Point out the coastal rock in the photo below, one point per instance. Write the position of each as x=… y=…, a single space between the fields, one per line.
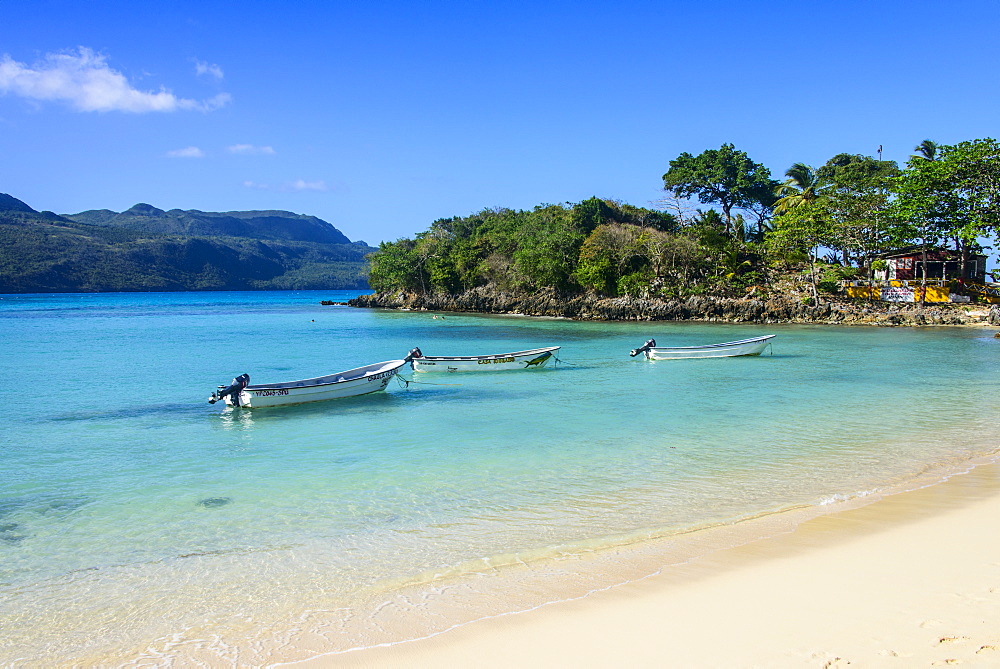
x=774 y=309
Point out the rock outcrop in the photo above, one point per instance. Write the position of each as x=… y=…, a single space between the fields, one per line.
x=695 y=308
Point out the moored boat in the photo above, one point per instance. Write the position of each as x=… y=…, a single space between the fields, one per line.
x=358 y=381
x=729 y=349
x=535 y=358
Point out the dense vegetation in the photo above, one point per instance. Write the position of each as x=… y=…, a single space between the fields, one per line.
x=147 y=249
x=851 y=209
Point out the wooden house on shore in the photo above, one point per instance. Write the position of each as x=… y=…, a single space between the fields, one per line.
x=942 y=264
x=948 y=278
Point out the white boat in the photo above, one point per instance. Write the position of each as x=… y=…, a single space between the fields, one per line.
x=359 y=381
x=535 y=358
x=753 y=346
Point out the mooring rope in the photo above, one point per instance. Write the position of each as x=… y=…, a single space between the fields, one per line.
x=407 y=382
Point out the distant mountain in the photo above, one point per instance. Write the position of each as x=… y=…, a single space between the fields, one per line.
x=277 y=225
x=148 y=249
x=9 y=203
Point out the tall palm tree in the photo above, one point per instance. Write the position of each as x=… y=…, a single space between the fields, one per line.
x=926 y=150
x=802 y=187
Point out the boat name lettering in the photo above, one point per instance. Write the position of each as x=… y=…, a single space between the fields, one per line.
x=380 y=375
x=270 y=393
x=494 y=361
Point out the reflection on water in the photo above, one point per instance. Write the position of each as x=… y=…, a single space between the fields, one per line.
x=236 y=419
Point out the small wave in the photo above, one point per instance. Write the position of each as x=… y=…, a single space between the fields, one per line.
x=840 y=498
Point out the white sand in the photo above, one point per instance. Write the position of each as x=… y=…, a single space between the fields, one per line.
x=910 y=581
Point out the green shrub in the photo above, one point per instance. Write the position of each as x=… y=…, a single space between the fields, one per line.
x=828 y=286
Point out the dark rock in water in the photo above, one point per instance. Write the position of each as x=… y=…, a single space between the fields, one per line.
x=10 y=505
x=63 y=505
x=8 y=534
x=212 y=502
x=42 y=504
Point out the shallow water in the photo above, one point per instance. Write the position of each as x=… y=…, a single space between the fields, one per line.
x=137 y=520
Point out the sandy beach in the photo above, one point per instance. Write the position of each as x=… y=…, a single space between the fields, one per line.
x=912 y=580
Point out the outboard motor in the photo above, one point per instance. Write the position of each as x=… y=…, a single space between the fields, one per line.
x=645 y=347
x=414 y=353
x=234 y=389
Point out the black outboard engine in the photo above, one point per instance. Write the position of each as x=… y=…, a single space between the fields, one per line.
x=414 y=353
x=234 y=389
x=645 y=347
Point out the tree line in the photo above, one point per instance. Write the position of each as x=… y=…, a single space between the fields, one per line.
x=754 y=228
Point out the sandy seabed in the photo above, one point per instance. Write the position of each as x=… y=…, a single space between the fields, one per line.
x=912 y=580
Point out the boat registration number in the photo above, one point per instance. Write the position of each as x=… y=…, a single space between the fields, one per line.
x=270 y=393
x=494 y=361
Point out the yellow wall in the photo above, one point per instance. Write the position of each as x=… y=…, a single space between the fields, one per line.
x=864 y=292
x=934 y=294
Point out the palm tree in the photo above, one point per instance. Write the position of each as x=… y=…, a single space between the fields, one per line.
x=802 y=187
x=925 y=150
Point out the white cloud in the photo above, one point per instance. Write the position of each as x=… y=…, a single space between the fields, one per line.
x=213 y=103
x=300 y=185
x=309 y=185
x=87 y=83
x=251 y=150
x=210 y=69
x=189 y=152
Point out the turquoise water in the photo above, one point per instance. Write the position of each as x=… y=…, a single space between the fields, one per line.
x=137 y=521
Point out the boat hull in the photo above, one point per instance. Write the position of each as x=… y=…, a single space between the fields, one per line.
x=730 y=349
x=350 y=383
x=534 y=359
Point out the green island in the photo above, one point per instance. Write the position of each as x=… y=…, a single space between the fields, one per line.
x=145 y=249
x=855 y=240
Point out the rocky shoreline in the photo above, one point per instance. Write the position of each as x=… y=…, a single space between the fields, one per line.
x=695 y=308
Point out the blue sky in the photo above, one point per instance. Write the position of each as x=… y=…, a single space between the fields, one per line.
x=384 y=117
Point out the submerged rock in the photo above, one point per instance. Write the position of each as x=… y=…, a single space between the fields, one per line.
x=9 y=533
x=213 y=502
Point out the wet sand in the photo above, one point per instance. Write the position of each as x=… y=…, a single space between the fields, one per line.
x=911 y=580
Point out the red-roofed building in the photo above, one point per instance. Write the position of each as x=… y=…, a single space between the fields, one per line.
x=942 y=264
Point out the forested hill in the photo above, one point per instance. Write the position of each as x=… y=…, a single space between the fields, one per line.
x=274 y=225
x=149 y=249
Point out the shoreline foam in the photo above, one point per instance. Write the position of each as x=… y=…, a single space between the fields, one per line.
x=896 y=582
x=718 y=551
